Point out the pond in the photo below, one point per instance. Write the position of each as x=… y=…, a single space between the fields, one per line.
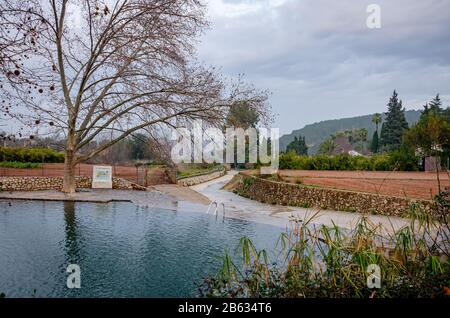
x=123 y=250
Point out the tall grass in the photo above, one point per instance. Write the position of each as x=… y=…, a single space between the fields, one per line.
x=327 y=261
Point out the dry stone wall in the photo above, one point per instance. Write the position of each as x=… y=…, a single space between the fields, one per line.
x=282 y=193
x=56 y=183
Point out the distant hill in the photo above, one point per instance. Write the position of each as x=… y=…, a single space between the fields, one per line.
x=316 y=133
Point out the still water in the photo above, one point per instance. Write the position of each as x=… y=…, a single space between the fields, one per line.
x=123 y=250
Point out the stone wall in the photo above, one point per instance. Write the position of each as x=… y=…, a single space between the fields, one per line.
x=56 y=183
x=281 y=193
x=194 y=180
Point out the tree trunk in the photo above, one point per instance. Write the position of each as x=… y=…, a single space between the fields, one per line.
x=69 y=183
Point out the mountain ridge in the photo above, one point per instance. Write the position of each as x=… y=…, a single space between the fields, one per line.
x=317 y=132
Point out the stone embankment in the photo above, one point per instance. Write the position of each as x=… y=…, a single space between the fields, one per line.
x=56 y=183
x=288 y=194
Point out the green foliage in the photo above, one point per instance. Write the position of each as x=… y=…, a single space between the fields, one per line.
x=298 y=146
x=401 y=160
x=35 y=155
x=377 y=119
x=19 y=165
x=330 y=262
x=375 y=145
x=359 y=138
x=327 y=147
x=241 y=115
x=395 y=124
x=248 y=182
x=431 y=134
x=138 y=146
x=434 y=107
x=198 y=169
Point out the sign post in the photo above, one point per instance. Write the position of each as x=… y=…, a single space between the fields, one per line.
x=102 y=177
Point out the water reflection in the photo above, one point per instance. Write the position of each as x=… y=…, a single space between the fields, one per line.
x=71 y=243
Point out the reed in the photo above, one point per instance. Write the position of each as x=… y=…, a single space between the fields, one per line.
x=327 y=261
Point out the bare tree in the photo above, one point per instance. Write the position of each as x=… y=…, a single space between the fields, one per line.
x=90 y=67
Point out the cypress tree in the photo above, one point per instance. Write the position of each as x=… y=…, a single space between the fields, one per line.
x=375 y=146
x=395 y=124
x=375 y=142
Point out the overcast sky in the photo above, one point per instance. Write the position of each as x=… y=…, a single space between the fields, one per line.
x=321 y=61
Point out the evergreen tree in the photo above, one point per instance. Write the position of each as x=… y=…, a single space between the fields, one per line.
x=395 y=124
x=375 y=142
x=298 y=146
x=376 y=119
x=436 y=105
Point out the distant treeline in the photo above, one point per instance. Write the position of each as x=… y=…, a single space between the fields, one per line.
x=317 y=133
x=34 y=155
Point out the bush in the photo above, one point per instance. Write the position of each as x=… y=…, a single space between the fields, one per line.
x=404 y=160
x=19 y=165
x=34 y=155
x=401 y=160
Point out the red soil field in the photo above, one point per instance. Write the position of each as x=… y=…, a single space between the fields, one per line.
x=421 y=185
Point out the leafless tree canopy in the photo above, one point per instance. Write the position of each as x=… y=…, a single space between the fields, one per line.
x=86 y=67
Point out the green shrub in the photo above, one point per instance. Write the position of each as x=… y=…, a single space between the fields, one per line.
x=404 y=160
x=401 y=160
x=19 y=165
x=35 y=155
x=380 y=163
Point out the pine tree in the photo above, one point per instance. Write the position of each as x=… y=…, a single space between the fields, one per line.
x=433 y=107
x=395 y=124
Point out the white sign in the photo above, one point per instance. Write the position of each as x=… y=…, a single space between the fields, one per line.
x=102 y=177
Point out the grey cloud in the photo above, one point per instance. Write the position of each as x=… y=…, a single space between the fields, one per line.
x=321 y=61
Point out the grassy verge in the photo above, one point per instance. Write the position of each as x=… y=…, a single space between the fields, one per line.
x=330 y=262
x=197 y=170
x=19 y=165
